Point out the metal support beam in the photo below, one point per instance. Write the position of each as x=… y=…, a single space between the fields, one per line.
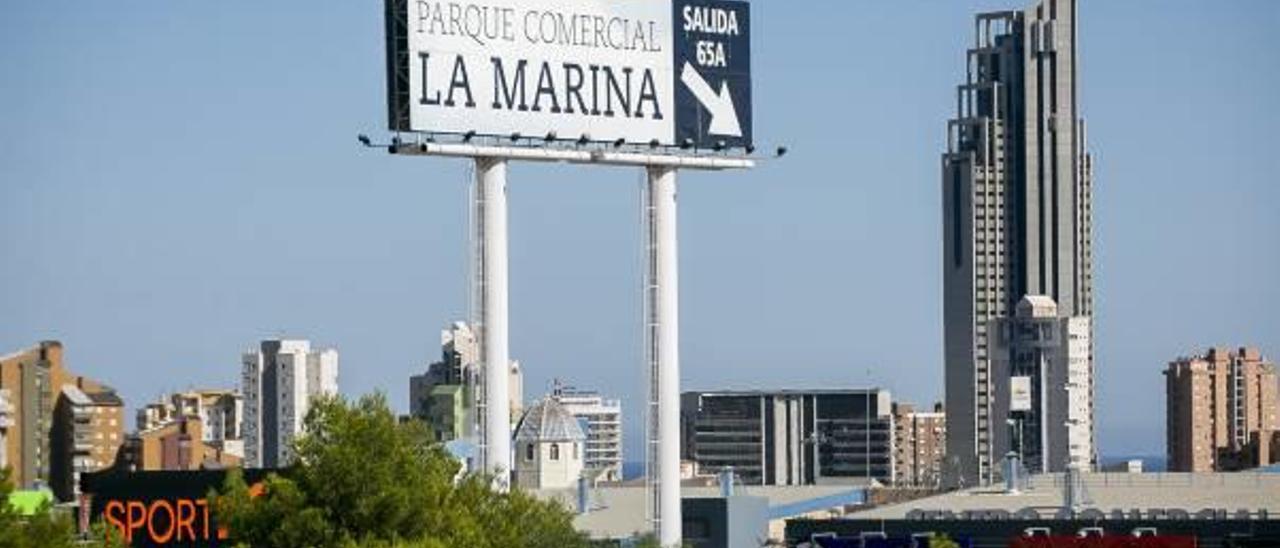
x=662 y=343
x=575 y=156
x=495 y=418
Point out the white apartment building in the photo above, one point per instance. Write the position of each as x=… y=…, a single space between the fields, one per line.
x=278 y=382
x=601 y=420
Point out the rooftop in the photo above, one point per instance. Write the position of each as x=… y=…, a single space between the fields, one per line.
x=620 y=511
x=547 y=420
x=1108 y=491
x=785 y=391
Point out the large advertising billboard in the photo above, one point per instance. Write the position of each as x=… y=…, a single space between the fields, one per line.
x=672 y=71
x=159 y=508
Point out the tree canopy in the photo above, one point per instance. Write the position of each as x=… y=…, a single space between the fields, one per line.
x=362 y=477
x=46 y=527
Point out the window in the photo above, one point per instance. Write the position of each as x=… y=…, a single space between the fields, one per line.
x=555 y=451
x=528 y=452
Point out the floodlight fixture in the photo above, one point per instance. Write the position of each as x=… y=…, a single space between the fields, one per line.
x=782 y=151
x=364 y=140
x=468 y=136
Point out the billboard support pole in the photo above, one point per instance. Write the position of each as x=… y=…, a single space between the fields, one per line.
x=662 y=342
x=495 y=419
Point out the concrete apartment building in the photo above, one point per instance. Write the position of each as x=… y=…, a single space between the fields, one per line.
x=36 y=442
x=218 y=407
x=1016 y=196
x=444 y=396
x=919 y=444
x=278 y=382
x=1221 y=411
x=88 y=431
x=188 y=430
x=601 y=420
x=791 y=437
x=1042 y=385
x=177 y=444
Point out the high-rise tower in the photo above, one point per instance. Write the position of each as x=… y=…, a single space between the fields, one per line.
x=1016 y=193
x=278 y=382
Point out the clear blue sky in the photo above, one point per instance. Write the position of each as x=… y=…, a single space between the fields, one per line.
x=181 y=179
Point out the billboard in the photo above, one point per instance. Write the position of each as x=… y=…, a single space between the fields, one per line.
x=159 y=508
x=1020 y=393
x=674 y=71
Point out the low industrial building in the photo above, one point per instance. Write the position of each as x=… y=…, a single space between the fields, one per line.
x=620 y=511
x=1208 y=507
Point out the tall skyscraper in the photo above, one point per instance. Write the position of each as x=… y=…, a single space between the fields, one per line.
x=1221 y=411
x=1042 y=387
x=278 y=382
x=1016 y=193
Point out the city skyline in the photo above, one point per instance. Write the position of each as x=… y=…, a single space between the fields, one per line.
x=136 y=247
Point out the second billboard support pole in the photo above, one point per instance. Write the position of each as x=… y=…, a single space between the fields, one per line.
x=491 y=182
x=663 y=334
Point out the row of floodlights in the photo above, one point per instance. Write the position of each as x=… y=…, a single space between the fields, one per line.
x=582 y=140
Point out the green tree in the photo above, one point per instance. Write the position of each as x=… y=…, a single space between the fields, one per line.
x=942 y=540
x=364 y=478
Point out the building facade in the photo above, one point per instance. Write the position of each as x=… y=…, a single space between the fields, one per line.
x=1221 y=411
x=445 y=396
x=1043 y=388
x=791 y=437
x=919 y=443
x=6 y=422
x=601 y=420
x=1017 y=213
x=278 y=382
x=187 y=430
x=220 y=411
x=179 y=444
x=88 y=430
x=34 y=379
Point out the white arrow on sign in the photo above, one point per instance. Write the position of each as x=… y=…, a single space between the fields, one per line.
x=724 y=118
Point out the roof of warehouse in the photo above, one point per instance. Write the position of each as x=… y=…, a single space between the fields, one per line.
x=620 y=511
x=1106 y=491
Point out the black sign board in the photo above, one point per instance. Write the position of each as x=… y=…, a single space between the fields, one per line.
x=161 y=508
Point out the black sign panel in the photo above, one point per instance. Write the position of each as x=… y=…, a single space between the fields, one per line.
x=162 y=508
x=712 y=68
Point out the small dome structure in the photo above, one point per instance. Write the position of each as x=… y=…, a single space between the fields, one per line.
x=549 y=447
x=548 y=421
